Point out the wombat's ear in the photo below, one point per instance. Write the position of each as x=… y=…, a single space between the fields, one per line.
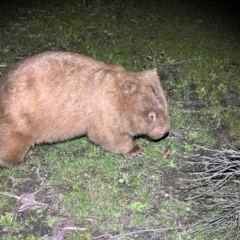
x=150 y=73
x=129 y=87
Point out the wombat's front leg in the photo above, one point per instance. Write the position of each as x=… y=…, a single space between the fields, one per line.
x=117 y=143
x=128 y=146
x=13 y=148
x=137 y=151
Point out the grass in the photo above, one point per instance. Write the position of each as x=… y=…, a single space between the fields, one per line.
x=195 y=49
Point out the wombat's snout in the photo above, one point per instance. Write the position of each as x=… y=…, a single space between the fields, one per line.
x=159 y=132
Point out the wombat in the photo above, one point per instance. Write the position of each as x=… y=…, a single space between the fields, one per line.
x=55 y=96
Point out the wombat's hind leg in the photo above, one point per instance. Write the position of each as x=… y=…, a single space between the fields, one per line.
x=13 y=148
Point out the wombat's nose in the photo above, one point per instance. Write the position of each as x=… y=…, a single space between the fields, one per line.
x=165 y=130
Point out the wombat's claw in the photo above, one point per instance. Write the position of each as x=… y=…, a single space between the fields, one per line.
x=137 y=151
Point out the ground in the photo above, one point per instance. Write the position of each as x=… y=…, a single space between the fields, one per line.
x=74 y=189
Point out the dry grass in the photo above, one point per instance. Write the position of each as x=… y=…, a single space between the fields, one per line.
x=216 y=188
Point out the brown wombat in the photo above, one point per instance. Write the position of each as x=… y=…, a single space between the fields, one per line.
x=55 y=96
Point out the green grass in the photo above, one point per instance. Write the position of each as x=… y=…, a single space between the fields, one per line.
x=195 y=49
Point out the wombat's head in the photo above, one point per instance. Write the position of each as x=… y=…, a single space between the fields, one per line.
x=145 y=104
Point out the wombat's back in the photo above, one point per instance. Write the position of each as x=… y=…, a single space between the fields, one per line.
x=49 y=92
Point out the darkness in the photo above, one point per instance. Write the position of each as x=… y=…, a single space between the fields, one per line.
x=231 y=6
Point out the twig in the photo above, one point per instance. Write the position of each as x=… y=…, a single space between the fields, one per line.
x=74 y=228
x=136 y=232
x=180 y=62
x=19 y=198
x=39 y=177
x=9 y=195
x=3 y=65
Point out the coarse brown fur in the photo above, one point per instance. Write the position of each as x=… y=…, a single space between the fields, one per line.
x=55 y=96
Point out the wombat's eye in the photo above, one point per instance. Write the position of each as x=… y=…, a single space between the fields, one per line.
x=152 y=116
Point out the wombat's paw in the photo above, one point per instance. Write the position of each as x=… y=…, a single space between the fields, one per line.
x=4 y=164
x=137 y=151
